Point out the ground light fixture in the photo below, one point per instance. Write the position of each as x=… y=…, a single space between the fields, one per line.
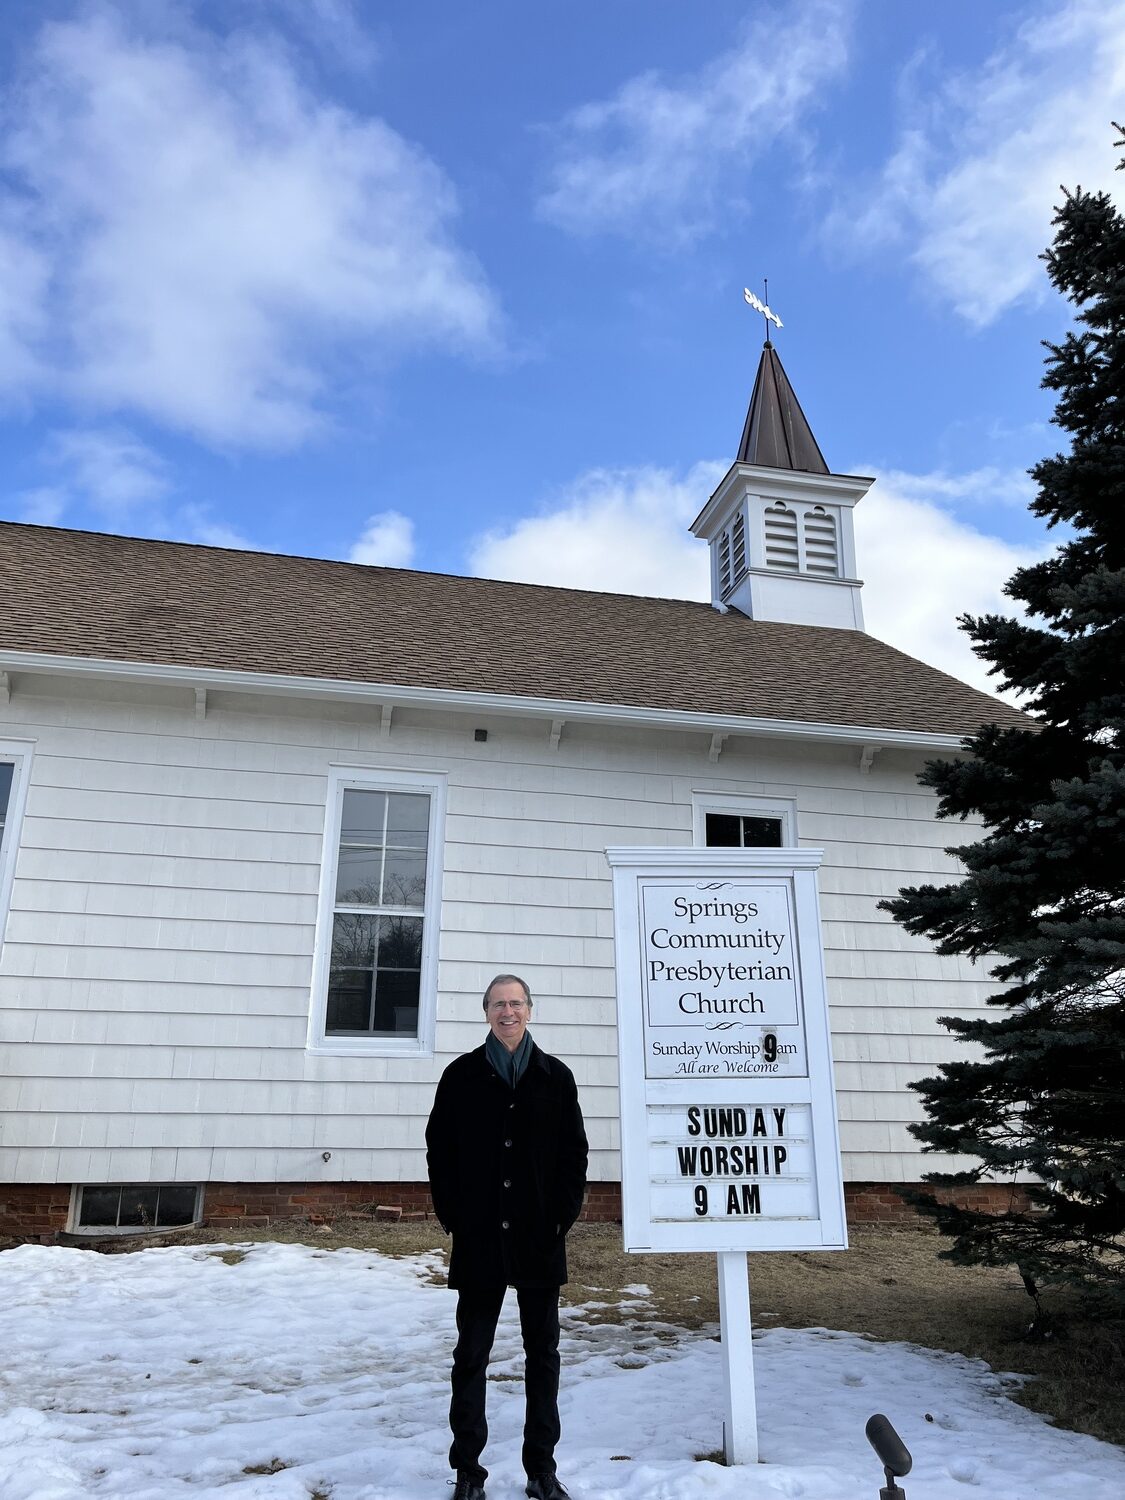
x=891 y=1452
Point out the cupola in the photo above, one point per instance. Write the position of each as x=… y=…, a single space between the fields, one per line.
x=780 y=524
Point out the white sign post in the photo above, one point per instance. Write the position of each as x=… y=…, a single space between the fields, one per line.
x=728 y=1111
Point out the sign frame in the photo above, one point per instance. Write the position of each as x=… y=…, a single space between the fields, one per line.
x=698 y=869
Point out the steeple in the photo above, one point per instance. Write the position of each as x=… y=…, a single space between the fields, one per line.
x=780 y=524
x=777 y=433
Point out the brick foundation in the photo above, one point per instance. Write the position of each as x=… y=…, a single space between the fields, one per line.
x=34 y=1211
x=883 y=1203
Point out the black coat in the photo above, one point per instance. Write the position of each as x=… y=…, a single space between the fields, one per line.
x=507 y=1169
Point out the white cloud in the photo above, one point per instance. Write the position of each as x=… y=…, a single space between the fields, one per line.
x=112 y=470
x=626 y=531
x=110 y=475
x=332 y=27
x=971 y=186
x=23 y=281
x=621 y=530
x=199 y=239
x=922 y=567
x=194 y=523
x=44 y=506
x=988 y=485
x=387 y=541
x=652 y=156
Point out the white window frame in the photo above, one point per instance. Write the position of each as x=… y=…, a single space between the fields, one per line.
x=376 y=779
x=17 y=754
x=74 y=1220
x=746 y=806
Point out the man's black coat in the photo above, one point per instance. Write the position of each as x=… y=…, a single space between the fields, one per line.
x=507 y=1169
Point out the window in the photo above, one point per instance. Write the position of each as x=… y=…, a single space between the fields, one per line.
x=740 y=831
x=6 y=769
x=727 y=821
x=141 y=1206
x=15 y=763
x=377 y=934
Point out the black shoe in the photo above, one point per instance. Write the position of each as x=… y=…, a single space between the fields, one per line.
x=468 y=1488
x=546 y=1487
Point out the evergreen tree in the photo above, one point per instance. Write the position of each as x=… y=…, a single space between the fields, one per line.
x=1044 y=1089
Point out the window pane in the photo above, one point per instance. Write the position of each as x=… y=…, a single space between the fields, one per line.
x=404 y=879
x=396 y=1002
x=363 y=818
x=358 y=876
x=176 y=1206
x=99 y=1207
x=408 y=820
x=400 y=943
x=761 y=833
x=349 y=1001
x=372 y=821
x=138 y=1206
x=723 y=831
x=5 y=791
x=354 y=938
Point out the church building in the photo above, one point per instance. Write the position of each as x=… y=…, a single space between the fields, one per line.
x=268 y=826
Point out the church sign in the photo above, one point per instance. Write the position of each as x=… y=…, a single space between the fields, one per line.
x=728 y=1120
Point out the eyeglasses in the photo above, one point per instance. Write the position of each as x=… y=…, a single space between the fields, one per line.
x=507 y=1005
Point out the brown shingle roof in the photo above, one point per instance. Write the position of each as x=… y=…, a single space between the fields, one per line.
x=82 y=594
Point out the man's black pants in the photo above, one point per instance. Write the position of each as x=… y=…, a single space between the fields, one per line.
x=478 y=1309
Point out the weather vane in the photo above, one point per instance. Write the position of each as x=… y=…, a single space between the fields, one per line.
x=760 y=306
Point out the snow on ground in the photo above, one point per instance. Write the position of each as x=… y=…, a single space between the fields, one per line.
x=175 y=1374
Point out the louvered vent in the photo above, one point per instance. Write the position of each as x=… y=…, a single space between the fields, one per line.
x=821 y=551
x=781 y=538
x=738 y=547
x=724 y=564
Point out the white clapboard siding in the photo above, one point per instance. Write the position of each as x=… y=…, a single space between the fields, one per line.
x=157 y=961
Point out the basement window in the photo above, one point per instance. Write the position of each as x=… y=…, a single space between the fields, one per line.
x=136 y=1206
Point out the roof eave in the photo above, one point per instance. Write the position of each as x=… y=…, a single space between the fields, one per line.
x=835 y=489
x=400 y=695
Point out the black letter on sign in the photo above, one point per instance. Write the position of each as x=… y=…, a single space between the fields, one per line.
x=769 y=1047
x=693 y=1119
x=701 y=1200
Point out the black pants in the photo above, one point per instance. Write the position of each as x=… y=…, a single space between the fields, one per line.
x=478 y=1309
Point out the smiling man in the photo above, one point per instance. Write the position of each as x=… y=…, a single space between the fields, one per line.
x=506 y=1150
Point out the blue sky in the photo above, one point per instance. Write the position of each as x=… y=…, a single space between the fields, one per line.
x=459 y=287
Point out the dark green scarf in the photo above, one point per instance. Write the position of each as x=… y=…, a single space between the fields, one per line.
x=509 y=1065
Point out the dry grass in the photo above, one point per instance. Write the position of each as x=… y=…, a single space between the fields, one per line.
x=890 y=1285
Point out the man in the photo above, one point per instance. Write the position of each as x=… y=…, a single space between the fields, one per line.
x=506 y=1151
